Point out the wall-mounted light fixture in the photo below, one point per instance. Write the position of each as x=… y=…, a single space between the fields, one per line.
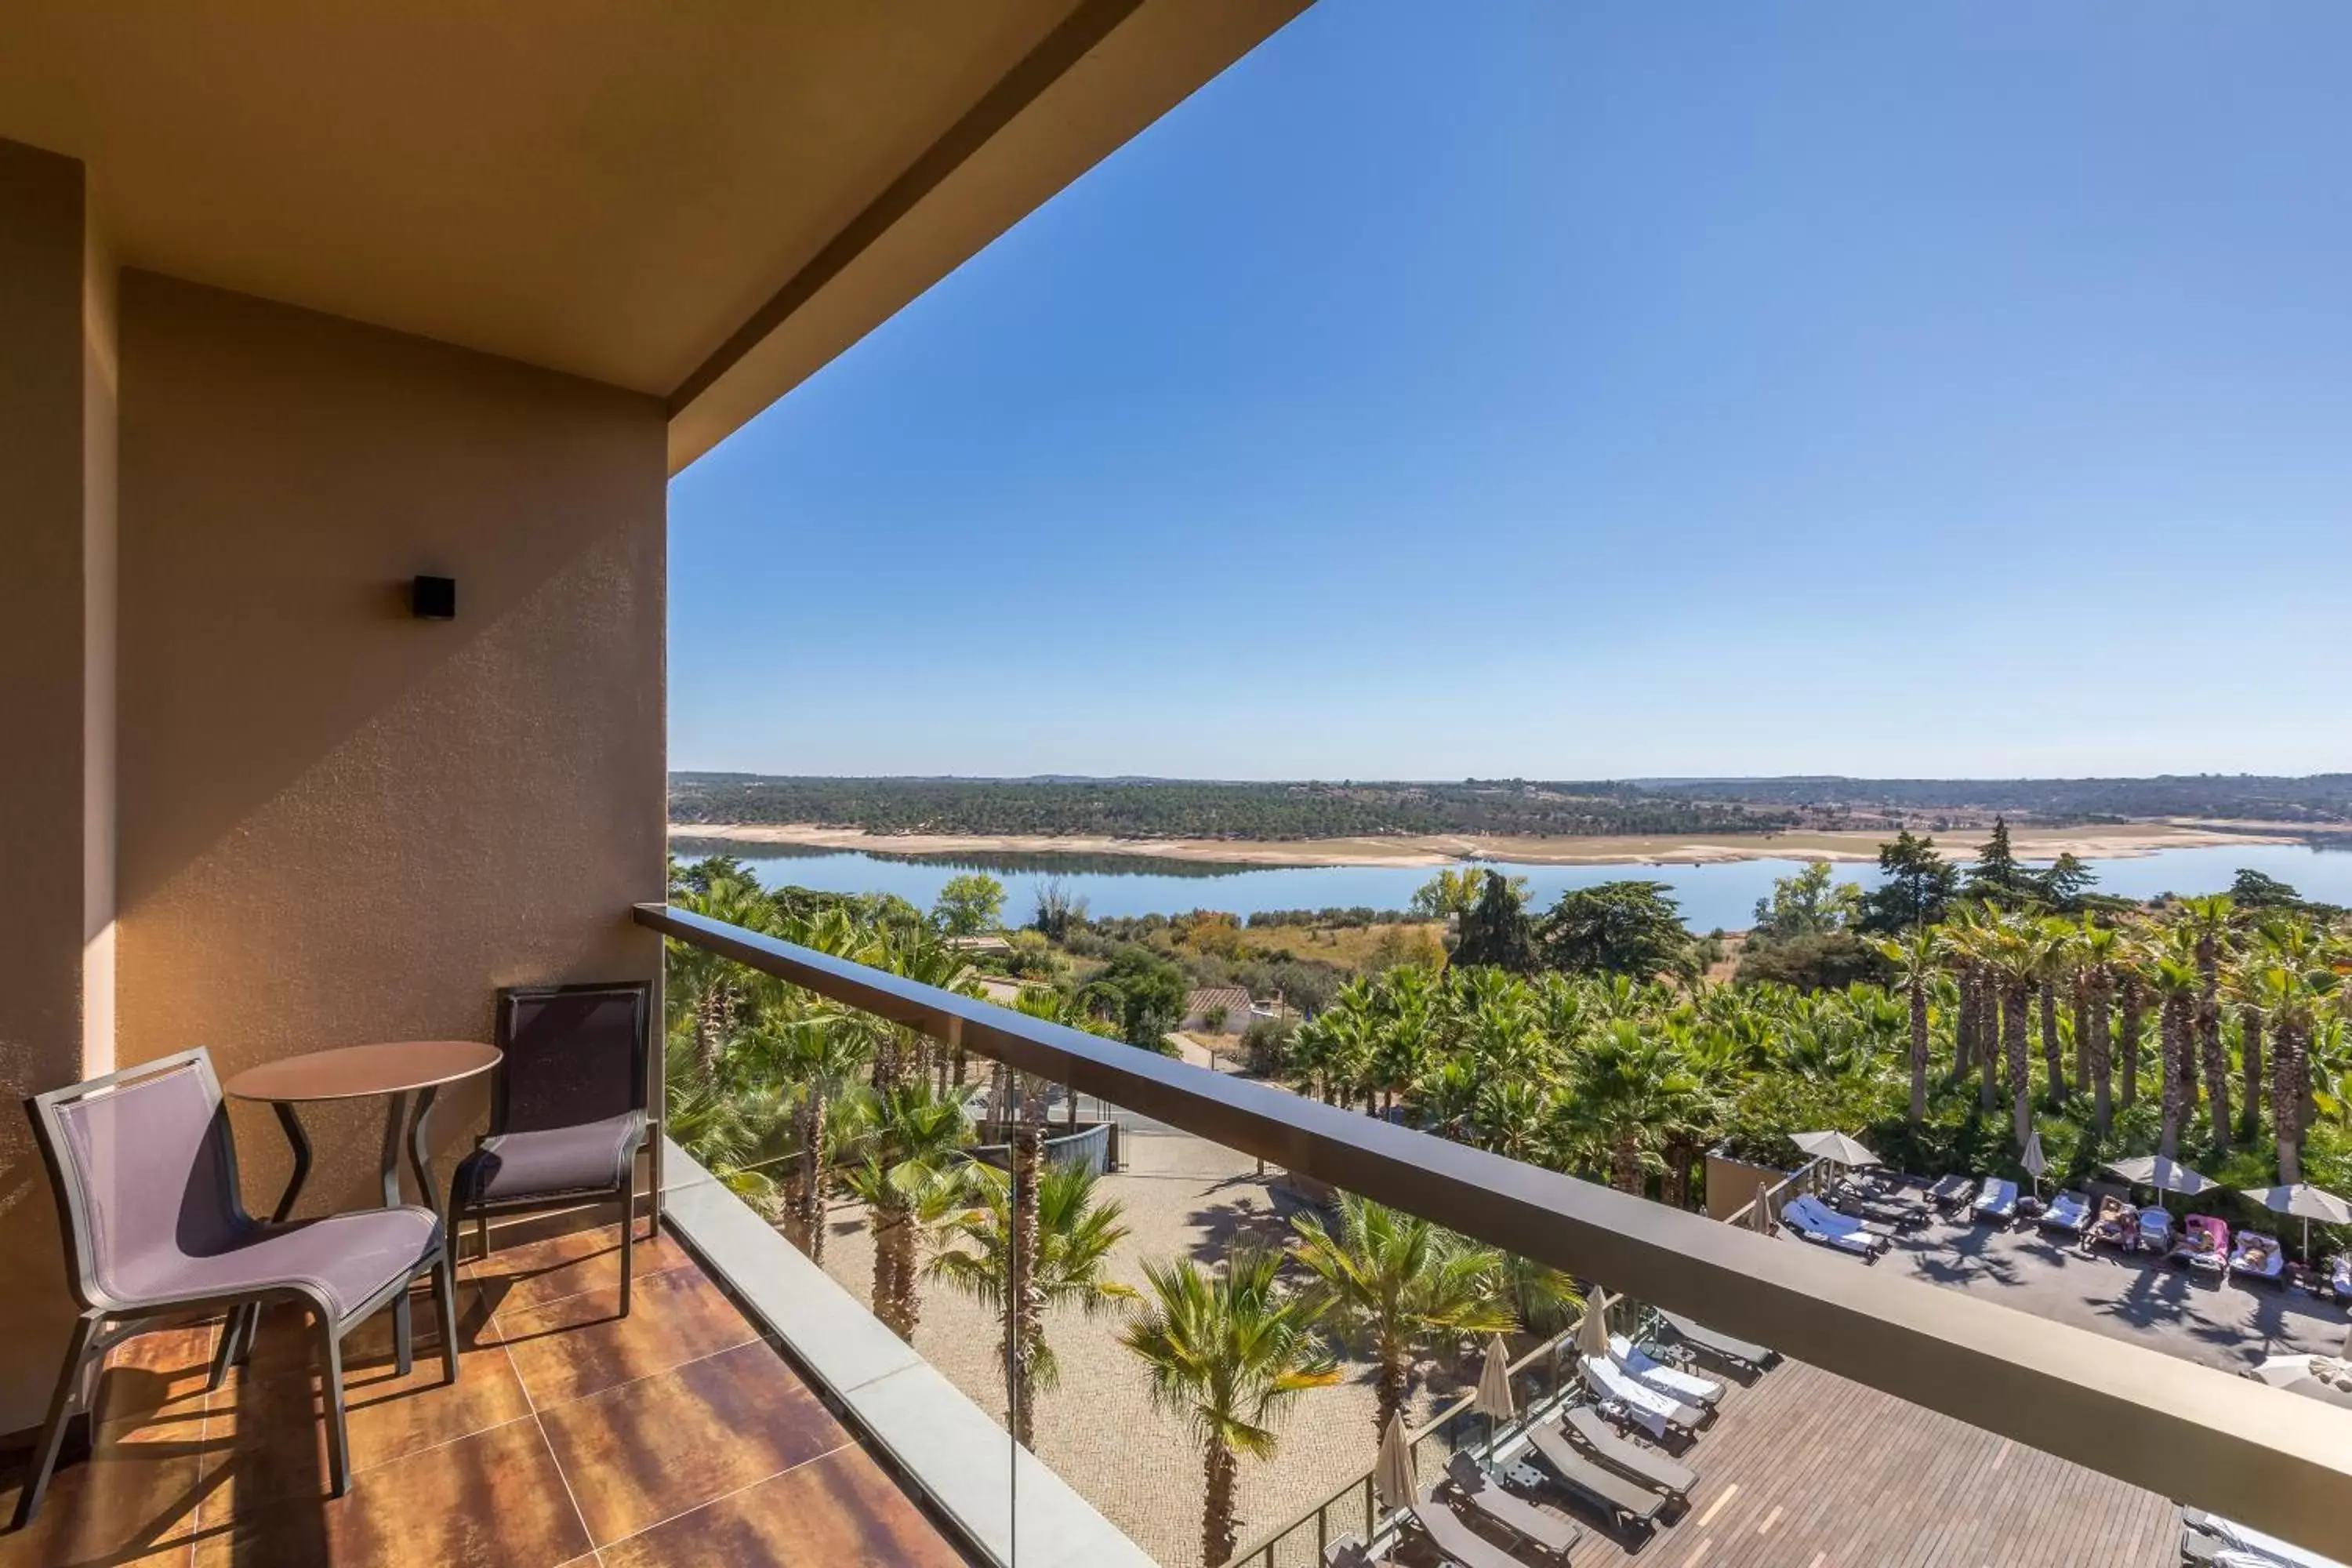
x=432 y=598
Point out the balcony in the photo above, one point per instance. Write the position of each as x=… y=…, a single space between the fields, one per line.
x=677 y=1436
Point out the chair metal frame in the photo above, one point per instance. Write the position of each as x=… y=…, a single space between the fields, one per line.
x=106 y=1319
x=461 y=1208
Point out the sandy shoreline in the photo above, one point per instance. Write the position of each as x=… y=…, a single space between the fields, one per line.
x=2121 y=840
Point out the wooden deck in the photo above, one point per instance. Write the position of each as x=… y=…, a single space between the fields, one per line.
x=1804 y=1469
x=677 y=1436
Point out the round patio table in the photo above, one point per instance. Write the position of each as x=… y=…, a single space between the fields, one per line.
x=402 y=1072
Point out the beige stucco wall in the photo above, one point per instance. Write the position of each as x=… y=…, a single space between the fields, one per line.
x=54 y=424
x=338 y=823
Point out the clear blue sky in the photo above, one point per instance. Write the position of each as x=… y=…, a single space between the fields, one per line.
x=1568 y=389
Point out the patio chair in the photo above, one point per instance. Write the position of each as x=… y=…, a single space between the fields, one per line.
x=1627 y=1502
x=2257 y=1256
x=1652 y=1411
x=1669 y=1381
x=1996 y=1200
x=567 y=1111
x=2068 y=1213
x=144 y=1170
x=1456 y=1540
x=1521 y=1517
x=1735 y=1353
x=1582 y=1424
x=2204 y=1246
x=1822 y=1226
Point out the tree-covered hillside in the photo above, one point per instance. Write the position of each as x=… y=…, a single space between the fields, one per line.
x=1176 y=808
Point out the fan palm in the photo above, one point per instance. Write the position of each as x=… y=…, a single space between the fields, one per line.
x=1229 y=1354
x=911 y=1177
x=2207 y=921
x=2177 y=984
x=1074 y=1236
x=1628 y=1094
x=1918 y=958
x=1395 y=1284
x=2097 y=951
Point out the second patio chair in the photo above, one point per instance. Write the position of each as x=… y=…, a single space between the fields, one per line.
x=567 y=1111
x=146 y=1176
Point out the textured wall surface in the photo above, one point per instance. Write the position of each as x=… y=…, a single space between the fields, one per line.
x=43 y=704
x=338 y=823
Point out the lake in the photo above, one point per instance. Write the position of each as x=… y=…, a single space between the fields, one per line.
x=1711 y=896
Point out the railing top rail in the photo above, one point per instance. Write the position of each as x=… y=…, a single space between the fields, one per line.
x=2281 y=1463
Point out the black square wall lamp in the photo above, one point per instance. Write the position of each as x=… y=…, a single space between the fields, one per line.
x=432 y=598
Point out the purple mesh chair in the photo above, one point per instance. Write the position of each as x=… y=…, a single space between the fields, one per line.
x=145 y=1175
x=567 y=1111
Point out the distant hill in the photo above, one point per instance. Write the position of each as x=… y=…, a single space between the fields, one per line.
x=1193 y=808
x=1181 y=809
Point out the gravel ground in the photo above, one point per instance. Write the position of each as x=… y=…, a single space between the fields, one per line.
x=1182 y=1196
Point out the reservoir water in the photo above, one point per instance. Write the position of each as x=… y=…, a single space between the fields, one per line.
x=1711 y=896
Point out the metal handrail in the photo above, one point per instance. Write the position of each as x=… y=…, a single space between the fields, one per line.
x=2226 y=1444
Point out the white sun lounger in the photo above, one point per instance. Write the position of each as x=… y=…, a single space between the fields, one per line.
x=1671 y=1382
x=1817 y=1222
x=2254 y=1543
x=1653 y=1410
x=1996 y=1200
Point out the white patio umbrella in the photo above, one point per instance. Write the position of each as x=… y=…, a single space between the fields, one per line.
x=2034 y=1161
x=1835 y=1147
x=1495 y=1389
x=2165 y=1175
x=1393 y=1486
x=2304 y=1202
x=1592 y=1333
x=1760 y=1213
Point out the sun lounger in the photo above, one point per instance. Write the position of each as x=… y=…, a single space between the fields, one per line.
x=1654 y=1411
x=1952 y=1190
x=2237 y=1537
x=1671 y=1382
x=1722 y=1347
x=1661 y=1472
x=1881 y=1211
x=1996 y=1200
x=2199 y=1551
x=2257 y=1256
x=1819 y=1223
x=1348 y=1551
x=2116 y=1222
x=1629 y=1502
x=1513 y=1513
x=2155 y=1229
x=1456 y=1539
x=2068 y=1212
x=2204 y=1246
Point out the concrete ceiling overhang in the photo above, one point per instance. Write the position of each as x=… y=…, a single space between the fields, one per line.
x=703 y=201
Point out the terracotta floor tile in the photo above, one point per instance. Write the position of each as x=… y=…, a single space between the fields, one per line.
x=161 y=1371
x=535 y=1273
x=638 y=1454
x=582 y=1345
x=135 y=1500
x=491 y=1501
x=839 y=1511
x=265 y=1438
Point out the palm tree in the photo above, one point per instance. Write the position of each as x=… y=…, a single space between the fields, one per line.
x=817 y=1052
x=1230 y=1354
x=2131 y=966
x=2208 y=919
x=702 y=989
x=2098 y=949
x=911 y=1178
x=1395 y=1284
x=1918 y=959
x=1628 y=1094
x=918 y=953
x=2176 y=987
x=1075 y=1236
x=2014 y=963
x=2049 y=948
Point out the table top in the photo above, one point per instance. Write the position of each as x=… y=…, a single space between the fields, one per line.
x=352 y=1072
